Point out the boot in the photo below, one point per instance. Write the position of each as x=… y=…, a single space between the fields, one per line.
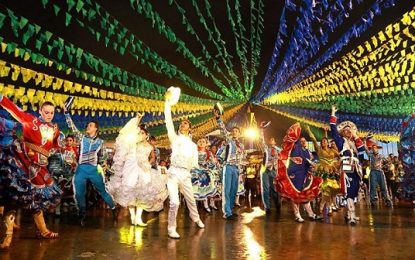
x=351 y=211
x=138 y=221
x=115 y=213
x=132 y=215
x=7 y=222
x=82 y=219
x=171 y=220
x=41 y=230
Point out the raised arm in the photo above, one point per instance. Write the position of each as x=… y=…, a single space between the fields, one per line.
x=333 y=127
x=313 y=139
x=15 y=111
x=72 y=126
x=169 y=122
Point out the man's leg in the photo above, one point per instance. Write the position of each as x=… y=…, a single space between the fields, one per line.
x=234 y=185
x=226 y=191
x=372 y=185
x=97 y=180
x=265 y=190
x=173 y=189
x=79 y=186
x=384 y=189
x=186 y=189
x=273 y=193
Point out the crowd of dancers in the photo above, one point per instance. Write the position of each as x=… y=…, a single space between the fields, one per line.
x=41 y=170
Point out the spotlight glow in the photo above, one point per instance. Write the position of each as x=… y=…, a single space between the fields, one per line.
x=251 y=133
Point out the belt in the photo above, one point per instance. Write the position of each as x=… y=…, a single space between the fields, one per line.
x=37 y=148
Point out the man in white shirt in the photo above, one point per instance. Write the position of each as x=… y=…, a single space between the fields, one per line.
x=184 y=157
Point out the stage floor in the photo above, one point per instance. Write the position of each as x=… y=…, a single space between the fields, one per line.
x=382 y=233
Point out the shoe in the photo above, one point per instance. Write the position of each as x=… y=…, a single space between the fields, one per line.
x=231 y=217
x=238 y=205
x=115 y=212
x=267 y=211
x=7 y=230
x=214 y=207
x=82 y=220
x=389 y=204
x=352 y=221
x=200 y=224
x=173 y=234
x=208 y=210
x=315 y=217
x=299 y=219
x=140 y=224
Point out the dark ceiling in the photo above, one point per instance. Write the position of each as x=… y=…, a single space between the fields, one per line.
x=142 y=28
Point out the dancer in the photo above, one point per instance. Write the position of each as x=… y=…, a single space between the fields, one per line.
x=63 y=166
x=296 y=182
x=351 y=151
x=327 y=168
x=267 y=177
x=234 y=153
x=24 y=162
x=135 y=184
x=203 y=177
x=91 y=155
x=184 y=157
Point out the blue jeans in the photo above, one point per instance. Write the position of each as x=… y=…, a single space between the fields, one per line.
x=229 y=188
x=268 y=189
x=378 y=177
x=89 y=172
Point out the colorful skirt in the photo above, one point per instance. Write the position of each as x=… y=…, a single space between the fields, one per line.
x=286 y=188
x=241 y=186
x=330 y=186
x=18 y=187
x=204 y=183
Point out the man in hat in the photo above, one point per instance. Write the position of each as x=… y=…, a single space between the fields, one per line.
x=377 y=176
x=234 y=153
x=351 y=151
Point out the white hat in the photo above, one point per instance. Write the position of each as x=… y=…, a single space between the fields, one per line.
x=172 y=95
x=344 y=124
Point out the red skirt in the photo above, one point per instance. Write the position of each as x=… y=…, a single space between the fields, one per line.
x=286 y=189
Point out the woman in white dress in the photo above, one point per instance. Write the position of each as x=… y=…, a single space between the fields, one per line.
x=135 y=184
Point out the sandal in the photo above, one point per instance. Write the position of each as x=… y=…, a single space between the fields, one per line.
x=47 y=235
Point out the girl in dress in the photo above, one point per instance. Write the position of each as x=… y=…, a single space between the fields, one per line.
x=327 y=169
x=135 y=184
x=203 y=177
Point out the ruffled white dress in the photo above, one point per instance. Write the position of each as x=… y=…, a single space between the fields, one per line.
x=135 y=183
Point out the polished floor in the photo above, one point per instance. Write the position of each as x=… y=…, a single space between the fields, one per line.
x=382 y=233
